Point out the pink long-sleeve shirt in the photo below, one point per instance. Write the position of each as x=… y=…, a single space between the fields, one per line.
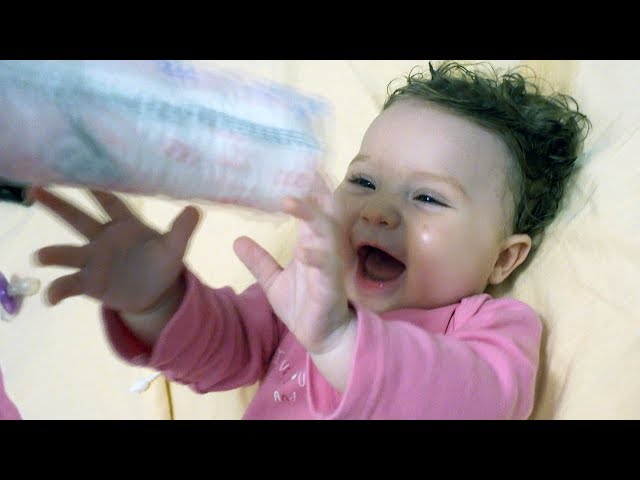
x=476 y=359
x=8 y=410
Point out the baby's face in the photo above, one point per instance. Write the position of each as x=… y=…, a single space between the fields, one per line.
x=423 y=206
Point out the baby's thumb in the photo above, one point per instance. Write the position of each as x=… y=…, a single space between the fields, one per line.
x=259 y=262
x=177 y=238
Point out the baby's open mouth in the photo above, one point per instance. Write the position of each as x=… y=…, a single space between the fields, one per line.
x=378 y=265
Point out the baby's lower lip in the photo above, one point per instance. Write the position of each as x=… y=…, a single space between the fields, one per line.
x=370 y=286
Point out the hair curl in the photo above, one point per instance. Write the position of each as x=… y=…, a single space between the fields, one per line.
x=544 y=133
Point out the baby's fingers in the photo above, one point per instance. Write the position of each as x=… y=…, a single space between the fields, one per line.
x=177 y=238
x=297 y=208
x=81 y=221
x=113 y=205
x=317 y=220
x=65 y=287
x=318 y=235
x=63 y=256
x=259 y=262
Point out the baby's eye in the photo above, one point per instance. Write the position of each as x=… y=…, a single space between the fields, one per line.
x=429 y=199
x=363 y=182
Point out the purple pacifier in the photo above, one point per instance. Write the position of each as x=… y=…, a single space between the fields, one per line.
x=9 y=303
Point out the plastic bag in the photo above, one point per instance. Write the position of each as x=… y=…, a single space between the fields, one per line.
x=159 y=128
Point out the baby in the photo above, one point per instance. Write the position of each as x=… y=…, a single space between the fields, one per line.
x=382 y=313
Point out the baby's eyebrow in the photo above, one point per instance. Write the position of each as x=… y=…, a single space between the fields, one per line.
x=360 y=158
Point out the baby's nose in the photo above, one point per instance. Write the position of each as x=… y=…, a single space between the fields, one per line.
x=381 y=214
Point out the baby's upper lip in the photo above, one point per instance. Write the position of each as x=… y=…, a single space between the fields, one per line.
x=394 y=252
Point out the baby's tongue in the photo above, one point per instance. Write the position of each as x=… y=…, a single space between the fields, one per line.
x=382 y=267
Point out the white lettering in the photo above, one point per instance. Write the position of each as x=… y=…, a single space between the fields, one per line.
x=284 y=367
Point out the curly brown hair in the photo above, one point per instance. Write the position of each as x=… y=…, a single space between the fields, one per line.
x=544 y=133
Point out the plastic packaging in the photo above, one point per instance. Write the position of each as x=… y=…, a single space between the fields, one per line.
x=159 y=128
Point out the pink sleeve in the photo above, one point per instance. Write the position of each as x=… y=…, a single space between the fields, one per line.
x=8 y=410
x=217 y=340
x=484 y=369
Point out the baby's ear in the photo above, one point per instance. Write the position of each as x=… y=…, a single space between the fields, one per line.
x=515 y=249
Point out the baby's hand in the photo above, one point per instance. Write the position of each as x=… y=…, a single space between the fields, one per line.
x=127 y=265
x=309 y=294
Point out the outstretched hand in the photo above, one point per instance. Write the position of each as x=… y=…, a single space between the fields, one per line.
x=308 y=295
x=126 y=264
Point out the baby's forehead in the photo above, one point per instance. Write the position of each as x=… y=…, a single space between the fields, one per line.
x=415 y=136
x=432 y=122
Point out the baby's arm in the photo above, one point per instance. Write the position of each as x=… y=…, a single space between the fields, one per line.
x=171 y=318
x=483 y=368
x=216 y=340
x=309 y=294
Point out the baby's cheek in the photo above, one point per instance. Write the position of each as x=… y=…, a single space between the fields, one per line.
x=437 y=252
x=425 y=237
x=433 y=237
x=443 y=236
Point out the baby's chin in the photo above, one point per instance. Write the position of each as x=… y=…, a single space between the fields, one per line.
x=391 y=301
x=378 y=304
